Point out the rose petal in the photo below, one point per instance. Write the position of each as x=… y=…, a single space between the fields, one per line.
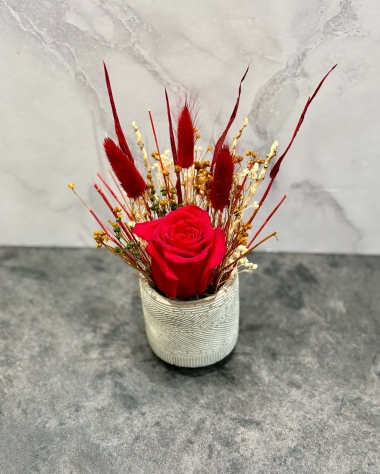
x=145 y=230
x=185 y=252
x=184 y=230
x=181 y=248
x=163 y=276
x=197 y=212
x=189 y=273
x=183 y=236
x=215 y=257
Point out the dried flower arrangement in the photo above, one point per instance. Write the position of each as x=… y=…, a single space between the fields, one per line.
x=188 y=217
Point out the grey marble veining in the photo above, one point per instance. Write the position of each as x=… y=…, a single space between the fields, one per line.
x=55 y=110
x=81 y=391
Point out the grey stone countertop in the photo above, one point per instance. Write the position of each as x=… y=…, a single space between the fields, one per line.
x=81 y=391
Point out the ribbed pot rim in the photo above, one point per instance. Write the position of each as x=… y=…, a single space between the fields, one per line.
x=203 y=301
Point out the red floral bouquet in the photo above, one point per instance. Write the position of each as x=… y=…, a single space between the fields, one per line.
x=184 y=222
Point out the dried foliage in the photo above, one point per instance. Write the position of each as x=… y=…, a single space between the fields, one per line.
x=219 y=181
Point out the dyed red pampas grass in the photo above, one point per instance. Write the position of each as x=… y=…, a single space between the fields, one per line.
x=223 y=179
x=125 y=170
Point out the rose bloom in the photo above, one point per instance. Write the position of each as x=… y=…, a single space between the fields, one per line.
x=184 y=249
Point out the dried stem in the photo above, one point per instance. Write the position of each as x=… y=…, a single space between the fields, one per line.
x=114 y=195
x=144 y=153
x=238 y=135
x=273 y=234
x=159 y=155
x=267 y=220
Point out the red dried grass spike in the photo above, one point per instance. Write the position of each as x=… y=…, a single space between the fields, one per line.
x=276 y=167
x=174 y=148
x=223 y=178
x=222 y=138
x=118 y=130
x=125 y=170
x=171 y=132
x=186 y=137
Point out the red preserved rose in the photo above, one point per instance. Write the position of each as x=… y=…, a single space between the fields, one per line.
x=184 y=249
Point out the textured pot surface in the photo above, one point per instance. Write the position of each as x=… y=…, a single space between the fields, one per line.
x=192 y=333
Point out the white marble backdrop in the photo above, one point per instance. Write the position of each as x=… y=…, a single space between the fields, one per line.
x=55 y=111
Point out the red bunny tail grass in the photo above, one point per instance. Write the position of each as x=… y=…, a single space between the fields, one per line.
x=220 y=142
x=118 y=130
x=125 y=170
x=186 y=137
x=223 y=178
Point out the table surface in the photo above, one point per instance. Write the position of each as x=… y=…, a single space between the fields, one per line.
x=81 y=391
